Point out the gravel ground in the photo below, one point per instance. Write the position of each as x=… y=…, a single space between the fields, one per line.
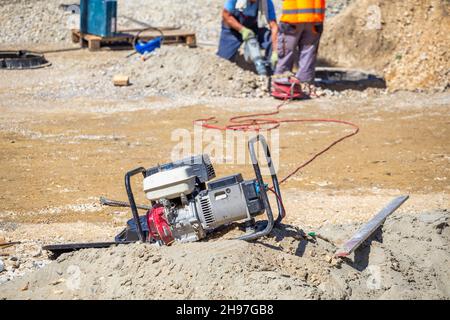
x=172 y=71
x=42 y=21
x=288 y=266
x=312 y=211
x=405 y=41
x=28 y=256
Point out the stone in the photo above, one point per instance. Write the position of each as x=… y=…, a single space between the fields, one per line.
x=25 y=287
x=56 y=282
x=121 y=80
x=37 y=253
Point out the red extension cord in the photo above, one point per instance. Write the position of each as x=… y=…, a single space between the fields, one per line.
x=257 y=121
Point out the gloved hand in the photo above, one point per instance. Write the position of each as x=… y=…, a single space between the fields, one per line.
x=246 y=33
x=274 y=59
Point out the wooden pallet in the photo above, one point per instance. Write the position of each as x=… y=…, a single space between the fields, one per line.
x=124 y=39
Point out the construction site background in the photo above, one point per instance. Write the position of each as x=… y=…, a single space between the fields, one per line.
x=68 y=135
x=405 y=41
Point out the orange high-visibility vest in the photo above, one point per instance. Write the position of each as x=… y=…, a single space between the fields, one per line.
x=302 y=11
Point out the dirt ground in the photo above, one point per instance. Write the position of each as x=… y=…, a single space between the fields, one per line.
x=70 y=152
x=65 y=144
x=285 y=265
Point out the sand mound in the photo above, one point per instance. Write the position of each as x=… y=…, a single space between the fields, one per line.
x=407 y=260
x=195 y=71
x=171 y=71
x=25 y=21
x=406 y=41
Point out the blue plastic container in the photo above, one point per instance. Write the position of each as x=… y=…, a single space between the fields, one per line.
x=98 y=17
x=149 y=46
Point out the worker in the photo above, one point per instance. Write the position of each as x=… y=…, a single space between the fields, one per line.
x=244 y=19
x=301 y=26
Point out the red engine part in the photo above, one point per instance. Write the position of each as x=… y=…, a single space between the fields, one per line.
x=284 y=91
x=158 y=226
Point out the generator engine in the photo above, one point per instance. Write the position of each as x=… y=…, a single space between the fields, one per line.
x=187 y=204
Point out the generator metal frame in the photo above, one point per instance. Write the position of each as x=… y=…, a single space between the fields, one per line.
x=265 y=199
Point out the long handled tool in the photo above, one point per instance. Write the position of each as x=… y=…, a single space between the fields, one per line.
x=370 y=227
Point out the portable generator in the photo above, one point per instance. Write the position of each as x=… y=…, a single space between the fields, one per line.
x=187 y=204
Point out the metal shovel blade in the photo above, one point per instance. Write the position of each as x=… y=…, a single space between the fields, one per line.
x=370 y=227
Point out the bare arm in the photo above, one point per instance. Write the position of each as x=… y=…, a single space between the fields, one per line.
x=274 y=29
x=231 y=21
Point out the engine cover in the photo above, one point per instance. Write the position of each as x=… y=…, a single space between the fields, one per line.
x=169 y=184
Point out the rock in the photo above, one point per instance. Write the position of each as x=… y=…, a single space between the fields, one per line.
x=25 y=287
x=336 y=262
x=36 y=253
x=38 y=264
x=2 y=266
x=16 y=264
x=56 y=282
x=395 y=266
x=121 y=80
x=440 y=227
x=156 y=260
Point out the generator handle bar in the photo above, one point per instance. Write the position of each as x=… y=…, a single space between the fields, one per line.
x=273 y=173
x=134 y=209
x=265 y=198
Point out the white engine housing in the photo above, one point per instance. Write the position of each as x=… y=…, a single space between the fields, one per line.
x=170 y=184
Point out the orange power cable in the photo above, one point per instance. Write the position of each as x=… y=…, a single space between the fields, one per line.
x=258 y=121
